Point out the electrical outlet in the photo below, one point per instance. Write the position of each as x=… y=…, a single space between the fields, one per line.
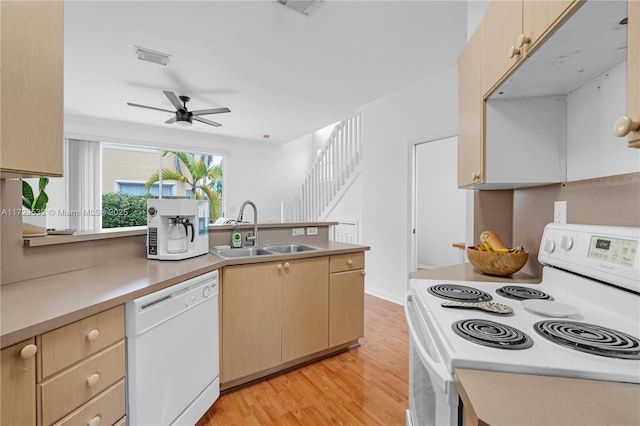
x=297 y=232
x=560 y=212
x=313 y=230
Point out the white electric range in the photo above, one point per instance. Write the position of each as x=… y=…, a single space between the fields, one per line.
x=581 y=321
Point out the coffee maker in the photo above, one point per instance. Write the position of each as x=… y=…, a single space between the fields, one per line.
x=177 y=228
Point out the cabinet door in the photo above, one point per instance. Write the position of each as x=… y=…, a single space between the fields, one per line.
x=346 y=307
x=305 y=307
x=32 y=80
x=633 y=69
x=18 y=384
x=501 y=26
x=540 y=18
x=470 y=114
x=251 y=326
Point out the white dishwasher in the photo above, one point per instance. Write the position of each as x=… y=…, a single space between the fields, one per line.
x=172 y=353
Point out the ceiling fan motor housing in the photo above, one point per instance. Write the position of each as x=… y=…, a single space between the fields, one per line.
x=183 y=115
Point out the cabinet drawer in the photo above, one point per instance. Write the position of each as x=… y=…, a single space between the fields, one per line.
x=67 y=345
x=346 y=262
x=65 y=392
x=107 y=408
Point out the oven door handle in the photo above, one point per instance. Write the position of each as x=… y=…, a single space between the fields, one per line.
x=432 y=365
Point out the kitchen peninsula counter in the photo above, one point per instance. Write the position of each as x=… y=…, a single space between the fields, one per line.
x=466 y=272
x=36 y=306
x=495 y=399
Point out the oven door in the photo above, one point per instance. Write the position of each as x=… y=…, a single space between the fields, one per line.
x=433 y=399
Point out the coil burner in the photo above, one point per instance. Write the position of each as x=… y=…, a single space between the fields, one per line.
x=518 y=292
x=492 y=334
x=590 y=338
x=459 y=293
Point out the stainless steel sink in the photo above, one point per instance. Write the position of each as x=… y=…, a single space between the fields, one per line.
x=262 y=251
x=289 y=248
x=241 y=252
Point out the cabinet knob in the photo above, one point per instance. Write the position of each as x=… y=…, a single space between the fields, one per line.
x=625 y=125
x=93 y=379
x=475 y=177
x=349 y=262
x=514 y=51
x=93 y=335
x=28 y=351
x=94 y=421
x=522 y=40
x=279 y=267
x=286 y=265
x=364 y=273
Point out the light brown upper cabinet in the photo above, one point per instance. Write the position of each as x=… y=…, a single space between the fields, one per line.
x=470 y=114
x=629 y=125
x=31 y=37
x=512 y=30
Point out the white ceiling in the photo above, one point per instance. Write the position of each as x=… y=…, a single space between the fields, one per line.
x=281 y=73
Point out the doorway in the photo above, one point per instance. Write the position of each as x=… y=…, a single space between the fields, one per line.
x=438 y=206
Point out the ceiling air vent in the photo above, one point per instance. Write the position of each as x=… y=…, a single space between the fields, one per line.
x=303 y=6
x=149 y=55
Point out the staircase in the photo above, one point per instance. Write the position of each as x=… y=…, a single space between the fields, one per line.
x=336 y=167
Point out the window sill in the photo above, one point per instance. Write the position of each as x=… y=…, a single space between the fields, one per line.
x=81 y=236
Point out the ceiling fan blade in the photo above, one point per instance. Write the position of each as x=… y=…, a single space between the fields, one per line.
x=171 y=120
x=149 y=107
x=204 y=120
x=210 y=111
x=174 y=99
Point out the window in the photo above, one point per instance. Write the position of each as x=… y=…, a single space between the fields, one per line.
x=138 y=188
x=130 y=176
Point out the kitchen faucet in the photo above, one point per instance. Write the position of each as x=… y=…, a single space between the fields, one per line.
x=250 y=237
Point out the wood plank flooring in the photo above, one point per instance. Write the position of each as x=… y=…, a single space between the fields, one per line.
x=366 y=385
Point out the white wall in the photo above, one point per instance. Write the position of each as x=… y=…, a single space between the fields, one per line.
x=426 y=112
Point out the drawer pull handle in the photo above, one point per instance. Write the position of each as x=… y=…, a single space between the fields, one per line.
x=286 y=265
x=279 y=266
x=364 y=273
x=349 y=262
x=94 y=421
x=28 y=351
x=93 y=335
x=625 y=125
x=93 y=379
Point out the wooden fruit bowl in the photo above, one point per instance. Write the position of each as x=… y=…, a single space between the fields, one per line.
x=492 y=263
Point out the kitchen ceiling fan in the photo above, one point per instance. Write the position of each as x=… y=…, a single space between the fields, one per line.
x=182 y=114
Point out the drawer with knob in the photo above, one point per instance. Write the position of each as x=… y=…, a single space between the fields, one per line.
x=346 y=262
x=64 y=392
x=105 y=409
x=65 y=346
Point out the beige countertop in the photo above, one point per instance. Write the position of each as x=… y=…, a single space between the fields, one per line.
x=466 y=272
x=496 y=399
x=32 y=307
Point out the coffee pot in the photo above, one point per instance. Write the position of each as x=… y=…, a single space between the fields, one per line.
x=178 y=235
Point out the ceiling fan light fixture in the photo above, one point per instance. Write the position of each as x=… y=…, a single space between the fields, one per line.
x=302 y=6
x=184 y=122
x=149 y=55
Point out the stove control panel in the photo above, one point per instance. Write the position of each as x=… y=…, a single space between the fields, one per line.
x=606 y=253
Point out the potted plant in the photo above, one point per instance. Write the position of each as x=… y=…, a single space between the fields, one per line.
x=34 y=222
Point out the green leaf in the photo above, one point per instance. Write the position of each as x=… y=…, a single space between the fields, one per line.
x=42 y=183
x=27 y=195
x=40 y=203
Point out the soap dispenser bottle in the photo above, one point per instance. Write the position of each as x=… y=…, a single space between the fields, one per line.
x=236 y=236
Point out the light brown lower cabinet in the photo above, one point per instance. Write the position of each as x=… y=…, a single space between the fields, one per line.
x=71 y=375
x=275 y=314
x=346 y=301
x=18 y=387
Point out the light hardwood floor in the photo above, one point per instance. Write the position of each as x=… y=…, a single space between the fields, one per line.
x=366 y=385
